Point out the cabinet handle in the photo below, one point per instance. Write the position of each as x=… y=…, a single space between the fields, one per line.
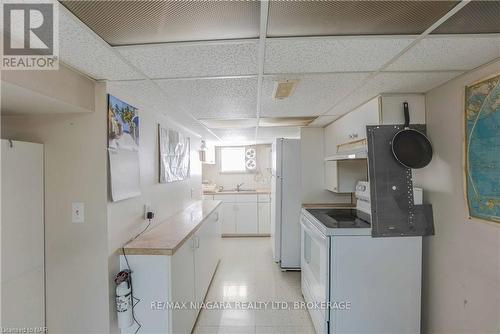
x=217 y=216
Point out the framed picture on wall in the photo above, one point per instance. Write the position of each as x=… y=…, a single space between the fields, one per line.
x=482 y=148
x=174 y=155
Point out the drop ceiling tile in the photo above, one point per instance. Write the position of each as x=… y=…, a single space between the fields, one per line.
x=140 y=22
x=313 y=95
x=334 y=18
x=331 y=54
x=235 y=135
x=393 y=82
x=82 y=50
x=213 y=98
x=475 y=18
x=179 y=60
x=462 y=52
x=278 y=132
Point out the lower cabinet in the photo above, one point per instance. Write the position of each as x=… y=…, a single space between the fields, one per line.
x=172 y=286
x=245 y=214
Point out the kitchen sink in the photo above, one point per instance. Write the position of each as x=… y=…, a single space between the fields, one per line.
x=239 y=191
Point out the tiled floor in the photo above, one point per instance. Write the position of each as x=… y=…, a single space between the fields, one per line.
x=247 y=273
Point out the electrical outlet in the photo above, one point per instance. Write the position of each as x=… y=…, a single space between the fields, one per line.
x=78 y=213
x=147 y=208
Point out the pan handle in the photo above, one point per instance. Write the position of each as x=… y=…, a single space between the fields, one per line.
x=407 y=114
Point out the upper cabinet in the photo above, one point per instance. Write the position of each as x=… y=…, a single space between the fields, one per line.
x=383 y=109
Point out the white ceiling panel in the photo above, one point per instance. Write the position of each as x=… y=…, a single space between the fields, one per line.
x=213 y=98
x=331 y=54
x=393 y=82
x=449 y=53
x=82 y=49
x=279 y=132
x=180 y=60
x=236 y=135
x=313 y=95
x=324 y=120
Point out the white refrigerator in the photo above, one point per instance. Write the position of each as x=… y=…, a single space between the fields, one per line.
x=286 y=202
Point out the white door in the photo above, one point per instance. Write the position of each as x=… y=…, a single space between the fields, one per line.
x=276 y=199
x=228 y=218
x=264 y=218
x=22 y=235
x=246 y=218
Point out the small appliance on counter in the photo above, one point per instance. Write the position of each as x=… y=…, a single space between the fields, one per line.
x=370 y=285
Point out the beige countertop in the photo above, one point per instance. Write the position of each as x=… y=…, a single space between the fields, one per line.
x=170 y=235
x=234 y=192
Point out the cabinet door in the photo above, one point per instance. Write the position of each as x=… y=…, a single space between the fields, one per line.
x=264 y=218
x=228 y=218
x=205 y=255
x=183 y=287
x=246 y=218
x=331 y=176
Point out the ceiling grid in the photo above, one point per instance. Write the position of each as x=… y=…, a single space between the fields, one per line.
x=338 y=64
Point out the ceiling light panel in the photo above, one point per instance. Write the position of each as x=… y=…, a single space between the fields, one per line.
x=331 y=54
x=141 y=22
x=180 y=60
x=462 y=52
x=336 y=18
x=313 y=95
x=475 y=18
x=213 y=98
x=393 y=82
x=84 y=51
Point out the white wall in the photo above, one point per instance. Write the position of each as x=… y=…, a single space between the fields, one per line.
x=461 y=273
x=312 y=144
x=76 y=254
x=125 y=218
x=259 y=180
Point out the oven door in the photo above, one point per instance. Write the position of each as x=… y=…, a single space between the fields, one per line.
x=315 y=270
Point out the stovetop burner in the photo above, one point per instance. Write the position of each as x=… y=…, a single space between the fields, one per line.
x=340 y=218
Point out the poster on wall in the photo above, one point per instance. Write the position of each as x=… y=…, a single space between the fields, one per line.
x=482 y=148
x=123 y=149
x=174 y=155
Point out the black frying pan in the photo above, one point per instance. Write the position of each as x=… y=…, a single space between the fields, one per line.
x=410 y=147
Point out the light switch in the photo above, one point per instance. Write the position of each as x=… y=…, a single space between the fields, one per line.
x=78 y=213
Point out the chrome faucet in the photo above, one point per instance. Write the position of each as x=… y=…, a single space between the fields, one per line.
x=238 y=186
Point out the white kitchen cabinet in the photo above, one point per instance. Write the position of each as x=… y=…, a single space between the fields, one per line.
x=228 y=218
x=246 y=218
x=206 y=255
x=183 y=287
x=383 y=109
x=264 y=218
x=240 y=214
x=341 y=175
x=183 y=277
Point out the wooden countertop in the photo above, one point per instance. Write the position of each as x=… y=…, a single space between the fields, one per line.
x=170 y=235
x=234 y=192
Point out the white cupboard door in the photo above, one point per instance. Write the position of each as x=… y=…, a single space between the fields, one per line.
x=331 y=176
x=264 y=218
x=228 y=218
x=183 y=287
x=246 y=218
x=205 y=256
